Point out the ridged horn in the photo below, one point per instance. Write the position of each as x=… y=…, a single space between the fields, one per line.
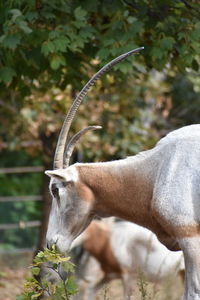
x=72 y=143
x=60 y=148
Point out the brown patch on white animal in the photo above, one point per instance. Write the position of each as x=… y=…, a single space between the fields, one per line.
x=116 y=248
x=97 y=243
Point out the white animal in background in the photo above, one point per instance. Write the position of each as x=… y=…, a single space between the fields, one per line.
x=125 y=250
x=158 y=189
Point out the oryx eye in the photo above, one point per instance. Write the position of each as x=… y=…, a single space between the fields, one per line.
x=55 y=191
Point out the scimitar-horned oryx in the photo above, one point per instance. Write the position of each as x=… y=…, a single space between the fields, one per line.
x=126 y=251
x=158 y=189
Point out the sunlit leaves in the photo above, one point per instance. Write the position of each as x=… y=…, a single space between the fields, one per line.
x=35 y=270
x=57 y=61
x=71 y=285
x=62 y=288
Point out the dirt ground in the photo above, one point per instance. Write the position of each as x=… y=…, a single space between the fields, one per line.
x=13 y=272
x=13 y=269
x=11 y=283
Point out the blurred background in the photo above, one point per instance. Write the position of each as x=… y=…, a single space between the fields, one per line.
x=48 y=51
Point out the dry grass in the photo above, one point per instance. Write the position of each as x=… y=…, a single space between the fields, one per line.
x=171 y=289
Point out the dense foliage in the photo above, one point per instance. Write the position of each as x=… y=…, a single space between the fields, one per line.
x=53 y=40
x=61 y=43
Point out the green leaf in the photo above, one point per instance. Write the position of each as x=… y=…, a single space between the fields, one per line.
x=136 y=27
x=167 y=43
x=124 y=67
x=188 y=59
x=23 y=25
x=31 y=15
x=182 y=35
x=36 y=295
x=7 y=74
x=68 y=266
x=35 y=270
x=103 y=54
x=22 y=297
x=79 y=23
x=15 y=14
x=156 y=53
x=44 y=282
x=71 y=285
x=40 y=254
x=108 y=42
x=131 y=19
x=57 y=61
x=80 y=13
x=61 y=44
x=196 y=47
x=195 y=35
x=11 y=41
x=48 y=47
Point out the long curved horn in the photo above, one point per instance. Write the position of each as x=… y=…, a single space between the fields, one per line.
x=59 y=153
x=70 y=146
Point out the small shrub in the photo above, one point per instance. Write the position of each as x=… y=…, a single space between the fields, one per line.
x=143 y=288
x=61 y=289
x=105 y=292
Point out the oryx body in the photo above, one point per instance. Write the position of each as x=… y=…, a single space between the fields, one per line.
x=158 y=189
x=126 y=251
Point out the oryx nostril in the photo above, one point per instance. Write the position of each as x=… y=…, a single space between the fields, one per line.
x=52 y=242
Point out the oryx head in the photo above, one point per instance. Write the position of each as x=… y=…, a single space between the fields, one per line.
x=72 y=203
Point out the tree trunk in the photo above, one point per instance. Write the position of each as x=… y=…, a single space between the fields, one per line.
x=48 y=151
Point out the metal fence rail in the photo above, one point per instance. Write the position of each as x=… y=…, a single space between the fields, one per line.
x=21 y=170
x=20 y=198
x=20 y=225
x=17 y=251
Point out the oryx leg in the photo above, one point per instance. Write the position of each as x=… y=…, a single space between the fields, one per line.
x=88 y=291
x=191 y=250
x=190 y=245
x=92 y=289
x=127 y=279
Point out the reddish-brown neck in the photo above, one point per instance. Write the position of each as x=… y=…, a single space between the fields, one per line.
x=118 y=189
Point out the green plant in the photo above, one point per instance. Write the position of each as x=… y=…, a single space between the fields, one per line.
x=36 y=287
x=105 y=292
x=143 y=288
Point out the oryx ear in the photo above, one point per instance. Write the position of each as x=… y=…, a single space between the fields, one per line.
x=57 y=174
